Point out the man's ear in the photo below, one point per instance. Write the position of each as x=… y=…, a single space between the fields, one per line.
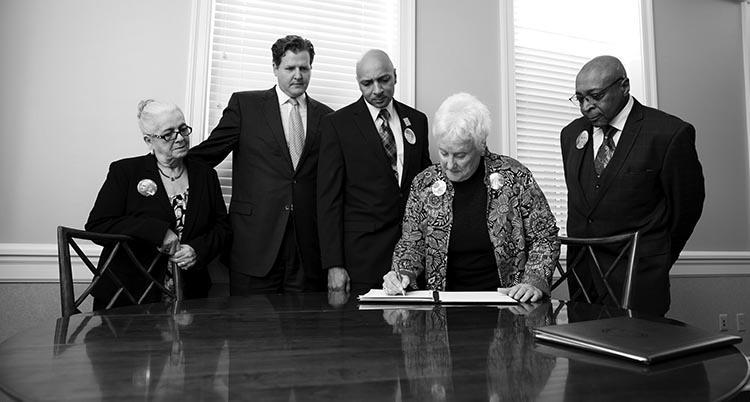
x=275 y=69
x=395 y=78
x=625 y=86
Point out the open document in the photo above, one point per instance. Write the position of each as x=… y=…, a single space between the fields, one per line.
x=430 y=296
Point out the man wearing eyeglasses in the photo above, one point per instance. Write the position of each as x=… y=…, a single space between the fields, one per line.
x=273 y=136
x=630 y=168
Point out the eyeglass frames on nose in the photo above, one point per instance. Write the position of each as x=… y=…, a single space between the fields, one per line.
x=184 y=131
x=594 y=97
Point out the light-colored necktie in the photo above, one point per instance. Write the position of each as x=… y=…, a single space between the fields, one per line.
x=386 y=136
x=295 y=138
x=606 y=150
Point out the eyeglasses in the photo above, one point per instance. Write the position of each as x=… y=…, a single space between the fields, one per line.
x=593 y=97
x=184 y=131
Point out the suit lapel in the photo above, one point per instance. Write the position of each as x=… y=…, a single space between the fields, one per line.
x=409 y=149
x=628 y=137
x=273 y=117
x=363 y=120
x=196 y=184
x=311 y=136
x=151 y=171
x=577 y=159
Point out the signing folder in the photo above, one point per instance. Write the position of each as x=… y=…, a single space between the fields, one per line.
x=441 y=297
x=640 y=340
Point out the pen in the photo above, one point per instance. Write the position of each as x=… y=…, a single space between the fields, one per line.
x=398 y=275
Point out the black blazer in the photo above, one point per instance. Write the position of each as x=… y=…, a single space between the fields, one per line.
x=360 y=203
x=653 y=184
x=121 y=209
x=266 y=189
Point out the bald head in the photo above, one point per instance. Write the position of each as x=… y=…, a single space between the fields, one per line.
x=376 y=78
x=603 y=89
x=608 y=67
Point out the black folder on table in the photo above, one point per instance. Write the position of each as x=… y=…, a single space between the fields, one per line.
x=636 y=339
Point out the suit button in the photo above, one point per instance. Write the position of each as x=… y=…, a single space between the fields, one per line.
x=590 y=220
x=597 y=186
x=289 y=207
x=294 y=181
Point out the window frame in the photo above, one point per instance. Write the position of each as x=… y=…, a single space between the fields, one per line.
x=507 y=109
x=196 y=97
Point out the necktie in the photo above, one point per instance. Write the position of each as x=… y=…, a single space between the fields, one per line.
x=295 y=138
x=606 y=150
x=386 y=136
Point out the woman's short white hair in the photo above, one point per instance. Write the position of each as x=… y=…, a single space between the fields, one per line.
x=464 y=117
x=148 y=110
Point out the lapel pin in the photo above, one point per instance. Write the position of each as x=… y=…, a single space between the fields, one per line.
x=582 y=139
x=438 y=188
x=146 y=187
x=407 y=123
x=410 y=137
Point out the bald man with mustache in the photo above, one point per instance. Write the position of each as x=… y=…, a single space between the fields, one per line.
x=369 y=153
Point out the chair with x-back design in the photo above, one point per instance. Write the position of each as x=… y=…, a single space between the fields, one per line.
x=66 y=239
x=623 y=246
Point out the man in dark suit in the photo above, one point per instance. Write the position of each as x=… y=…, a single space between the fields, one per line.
x=274 y=137
x=630 y=168
x=369 y=153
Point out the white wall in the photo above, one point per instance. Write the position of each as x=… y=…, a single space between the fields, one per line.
x=72 y=73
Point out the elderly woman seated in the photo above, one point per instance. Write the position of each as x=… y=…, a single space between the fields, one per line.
x=478 y=220
x=168 y=203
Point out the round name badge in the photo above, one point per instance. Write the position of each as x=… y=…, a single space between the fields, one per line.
x=146 y=187
x=438 y=188
x=582 y=139
x=410 y=137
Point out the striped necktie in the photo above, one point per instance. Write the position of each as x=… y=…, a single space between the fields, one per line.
x=386 y=136
x=606 y=150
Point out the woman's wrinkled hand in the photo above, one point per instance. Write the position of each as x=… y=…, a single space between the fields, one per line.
x=394 y=283
x=523 y=292
x=184 y=257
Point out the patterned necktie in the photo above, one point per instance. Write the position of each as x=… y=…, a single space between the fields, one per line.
x=386 y=136
x=295 y=138
x=606 y=150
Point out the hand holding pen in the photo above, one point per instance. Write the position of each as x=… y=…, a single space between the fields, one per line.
x=395 y=283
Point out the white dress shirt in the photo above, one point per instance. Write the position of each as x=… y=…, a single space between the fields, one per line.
x=617 y=122
x=285 y=107
x=398 y=136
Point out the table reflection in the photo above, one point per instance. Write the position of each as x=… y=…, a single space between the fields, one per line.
x=442 y=345
x=327 y=347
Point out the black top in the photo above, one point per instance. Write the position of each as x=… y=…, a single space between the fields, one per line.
x=471 y=259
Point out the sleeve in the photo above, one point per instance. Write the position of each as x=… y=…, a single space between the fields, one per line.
x=110 y=213
x=212 y=242
x=223 y=138
x=409 y=253
x=426 y=162
x=683 y=184
x=540 y=232
x=331 y=174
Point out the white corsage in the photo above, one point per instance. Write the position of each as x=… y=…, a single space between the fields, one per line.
x=438 y=188
x=495 y=181
x=147 y=187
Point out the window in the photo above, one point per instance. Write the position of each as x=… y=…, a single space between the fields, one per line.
x=238 y=48
x=545 y=51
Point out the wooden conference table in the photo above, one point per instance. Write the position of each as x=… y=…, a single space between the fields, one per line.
x=300 y=347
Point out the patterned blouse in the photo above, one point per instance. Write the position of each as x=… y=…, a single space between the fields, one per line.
x=521 y=226
x=179 y=204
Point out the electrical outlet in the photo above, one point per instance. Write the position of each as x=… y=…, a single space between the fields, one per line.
x=723 y=326
x=740 y=322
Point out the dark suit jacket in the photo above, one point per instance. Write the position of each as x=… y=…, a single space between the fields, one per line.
x=121 y=209
x=266 y=190
x=360 y=203
x=653 y=184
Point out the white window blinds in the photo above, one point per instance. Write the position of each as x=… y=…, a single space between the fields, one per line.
x=340 y=30
x=549 y=49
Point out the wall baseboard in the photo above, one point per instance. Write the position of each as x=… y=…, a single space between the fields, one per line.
x=35 y=262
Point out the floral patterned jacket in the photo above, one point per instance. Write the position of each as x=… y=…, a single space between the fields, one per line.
x=521 y=226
